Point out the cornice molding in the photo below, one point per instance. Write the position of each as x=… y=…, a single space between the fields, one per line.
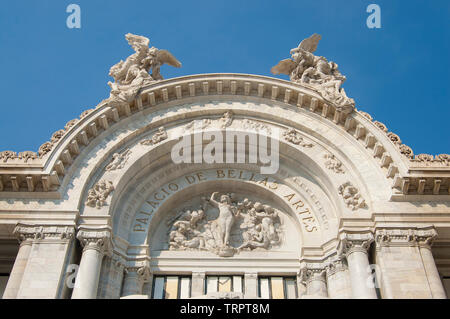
x=25 y=232
x=400 y=237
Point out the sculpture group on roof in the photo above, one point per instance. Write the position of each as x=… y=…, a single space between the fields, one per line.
x=316 y=72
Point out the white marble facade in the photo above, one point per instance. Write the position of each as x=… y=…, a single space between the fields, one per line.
x=105 y=201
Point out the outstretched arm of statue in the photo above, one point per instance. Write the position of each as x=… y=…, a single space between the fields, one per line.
x=212 y=201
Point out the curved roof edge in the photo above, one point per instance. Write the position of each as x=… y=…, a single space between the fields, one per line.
x=55 y=156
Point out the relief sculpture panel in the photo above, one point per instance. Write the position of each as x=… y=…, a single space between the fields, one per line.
x=241 y=224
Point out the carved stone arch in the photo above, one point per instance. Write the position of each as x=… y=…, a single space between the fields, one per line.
x=118 y=145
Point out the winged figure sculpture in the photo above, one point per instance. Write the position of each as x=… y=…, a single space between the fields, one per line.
x=315 y=72
x=134 y=73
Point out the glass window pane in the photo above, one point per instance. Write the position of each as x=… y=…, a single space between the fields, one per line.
x=171 y=287
x=264 y=288
x=158 y=290
x=237 y=283
x=277 y=288
x=291 y=288
x=185 y=288
x=225 y=284
x=211 y=284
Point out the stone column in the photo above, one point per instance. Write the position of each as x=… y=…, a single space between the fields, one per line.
x=416 y=276
x=313 y=277
x=15 y=278
x=425 y=239
x=354 y=247
x=251 y=285
x=44 y=270
x=96 y=243
x=338 y=279
x=198 y=284
x=135 y=277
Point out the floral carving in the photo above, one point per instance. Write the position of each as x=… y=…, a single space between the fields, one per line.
x=86 y=113
x=332 y=163
x=27 y=155
x=406 y=150
x=394 y=138
x=351 y=196
x=70 y=124
x=296 y=138
x=259 y=227
x=99 y=193
x=57 y=136
x=158 y=137
x=444 y=158
x=424 y=158
x=6 y=155
x=119 y=160
x=366 y=115
x=381 y=126
x=45 y=148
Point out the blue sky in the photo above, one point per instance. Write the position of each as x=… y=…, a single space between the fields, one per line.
x=399 y=73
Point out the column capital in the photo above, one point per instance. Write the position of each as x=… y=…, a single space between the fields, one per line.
x=391 y=237
x=336 y=264
x=25 y=233
x=95 y=237
x=312 y=272
x=118 y=261
x=142 y=271
x=354 y=242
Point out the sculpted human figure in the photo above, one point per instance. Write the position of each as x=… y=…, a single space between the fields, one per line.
x=316 y=72
x=133 y=73
x=226 y=217
x=191 y=229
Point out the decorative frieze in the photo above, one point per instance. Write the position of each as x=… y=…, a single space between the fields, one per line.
x=27 y=155
x=41 y=232
x=119 y=160
x=351 y=196
x=332 y=163
x=405 y=236
x=294 y=137
x=158 y=137
x=99 y=193
x=6 y=155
